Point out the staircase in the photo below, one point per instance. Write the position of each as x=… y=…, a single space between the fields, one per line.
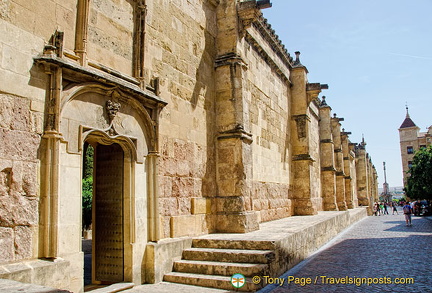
x=211 y=263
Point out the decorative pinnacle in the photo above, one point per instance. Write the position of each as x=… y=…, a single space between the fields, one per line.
x=323 y=101
x=297 y=60
x=406 y=107
x=262 y=4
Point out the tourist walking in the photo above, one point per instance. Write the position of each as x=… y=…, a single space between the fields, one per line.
x=407 y=210
x=381 y=208
x=394 y=205
x=385 y=209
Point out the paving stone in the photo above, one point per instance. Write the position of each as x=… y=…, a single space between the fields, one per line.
x=376 y=247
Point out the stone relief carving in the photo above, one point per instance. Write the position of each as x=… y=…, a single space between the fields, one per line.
x=301 y=125
x=112 y=108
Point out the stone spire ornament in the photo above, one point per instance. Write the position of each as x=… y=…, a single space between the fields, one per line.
x=297 y=62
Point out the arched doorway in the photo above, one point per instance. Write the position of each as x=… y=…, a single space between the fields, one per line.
x=122 y=128
x=111 y=218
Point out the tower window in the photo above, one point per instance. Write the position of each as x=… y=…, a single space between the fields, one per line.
x=409 y=164
x=410 y=150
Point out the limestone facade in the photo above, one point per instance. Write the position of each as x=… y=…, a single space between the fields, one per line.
x=411 y=140
x=201 y=120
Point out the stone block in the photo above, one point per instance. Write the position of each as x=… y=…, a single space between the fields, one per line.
x=30 y=185
x=226 y=155
x=22 y=17
x=182 y=187
x=19 y=145
x=23 y=242
x=237 y=223
x=184 y=205
x=230 y=204
x=7 y=249
x=18 y=210
x=201 y=205
x=15 y=114
x=227 y=187
x=165 y=186
x=189 y=225
x=169 y=206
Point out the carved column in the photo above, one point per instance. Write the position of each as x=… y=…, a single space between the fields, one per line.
x=340 y=174
x=234 y=150
x=50 y=171
x=328 y=171
x=352 y=157
x=347 y=168
x=139 y=40
x=362 y=175
x=374 y=190
x=306 y=202
x=83 y=8
x=302 y=160
x=153 y=216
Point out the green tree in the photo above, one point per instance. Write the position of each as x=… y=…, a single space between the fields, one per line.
x=419 y=184
x=87 y=186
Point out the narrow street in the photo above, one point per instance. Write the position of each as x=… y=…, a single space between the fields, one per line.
x=377 y=254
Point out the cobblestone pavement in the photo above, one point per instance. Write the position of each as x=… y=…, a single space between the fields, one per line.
x=381 y=248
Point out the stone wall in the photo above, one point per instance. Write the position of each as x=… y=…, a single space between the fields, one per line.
x=268 y=98
x=184 y=66
x=110 y=34
x=19 y=187
x=40 y=18
x=24 y=27
x=20 y=128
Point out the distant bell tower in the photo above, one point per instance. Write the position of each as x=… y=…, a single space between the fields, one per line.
x=408 y=136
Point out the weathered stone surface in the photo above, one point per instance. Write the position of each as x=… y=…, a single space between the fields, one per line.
x=7 y=250
x=238 y=223
x=23 y=242
x=187 y=225
x=18 y=210
x=14 y=114
x=18 y=145
x=37 y=271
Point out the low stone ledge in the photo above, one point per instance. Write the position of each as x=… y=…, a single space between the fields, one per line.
x=40 y=272
x=160 y=256
x=12 y=286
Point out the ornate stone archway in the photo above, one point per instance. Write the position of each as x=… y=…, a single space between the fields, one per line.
x=84 y=104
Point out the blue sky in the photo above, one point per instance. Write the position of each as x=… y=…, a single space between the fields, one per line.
x=376 y=56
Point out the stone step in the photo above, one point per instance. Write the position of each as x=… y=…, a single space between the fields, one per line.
x=233 y=244
x=212 y=281
x=220 y=268
x=229 y=255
